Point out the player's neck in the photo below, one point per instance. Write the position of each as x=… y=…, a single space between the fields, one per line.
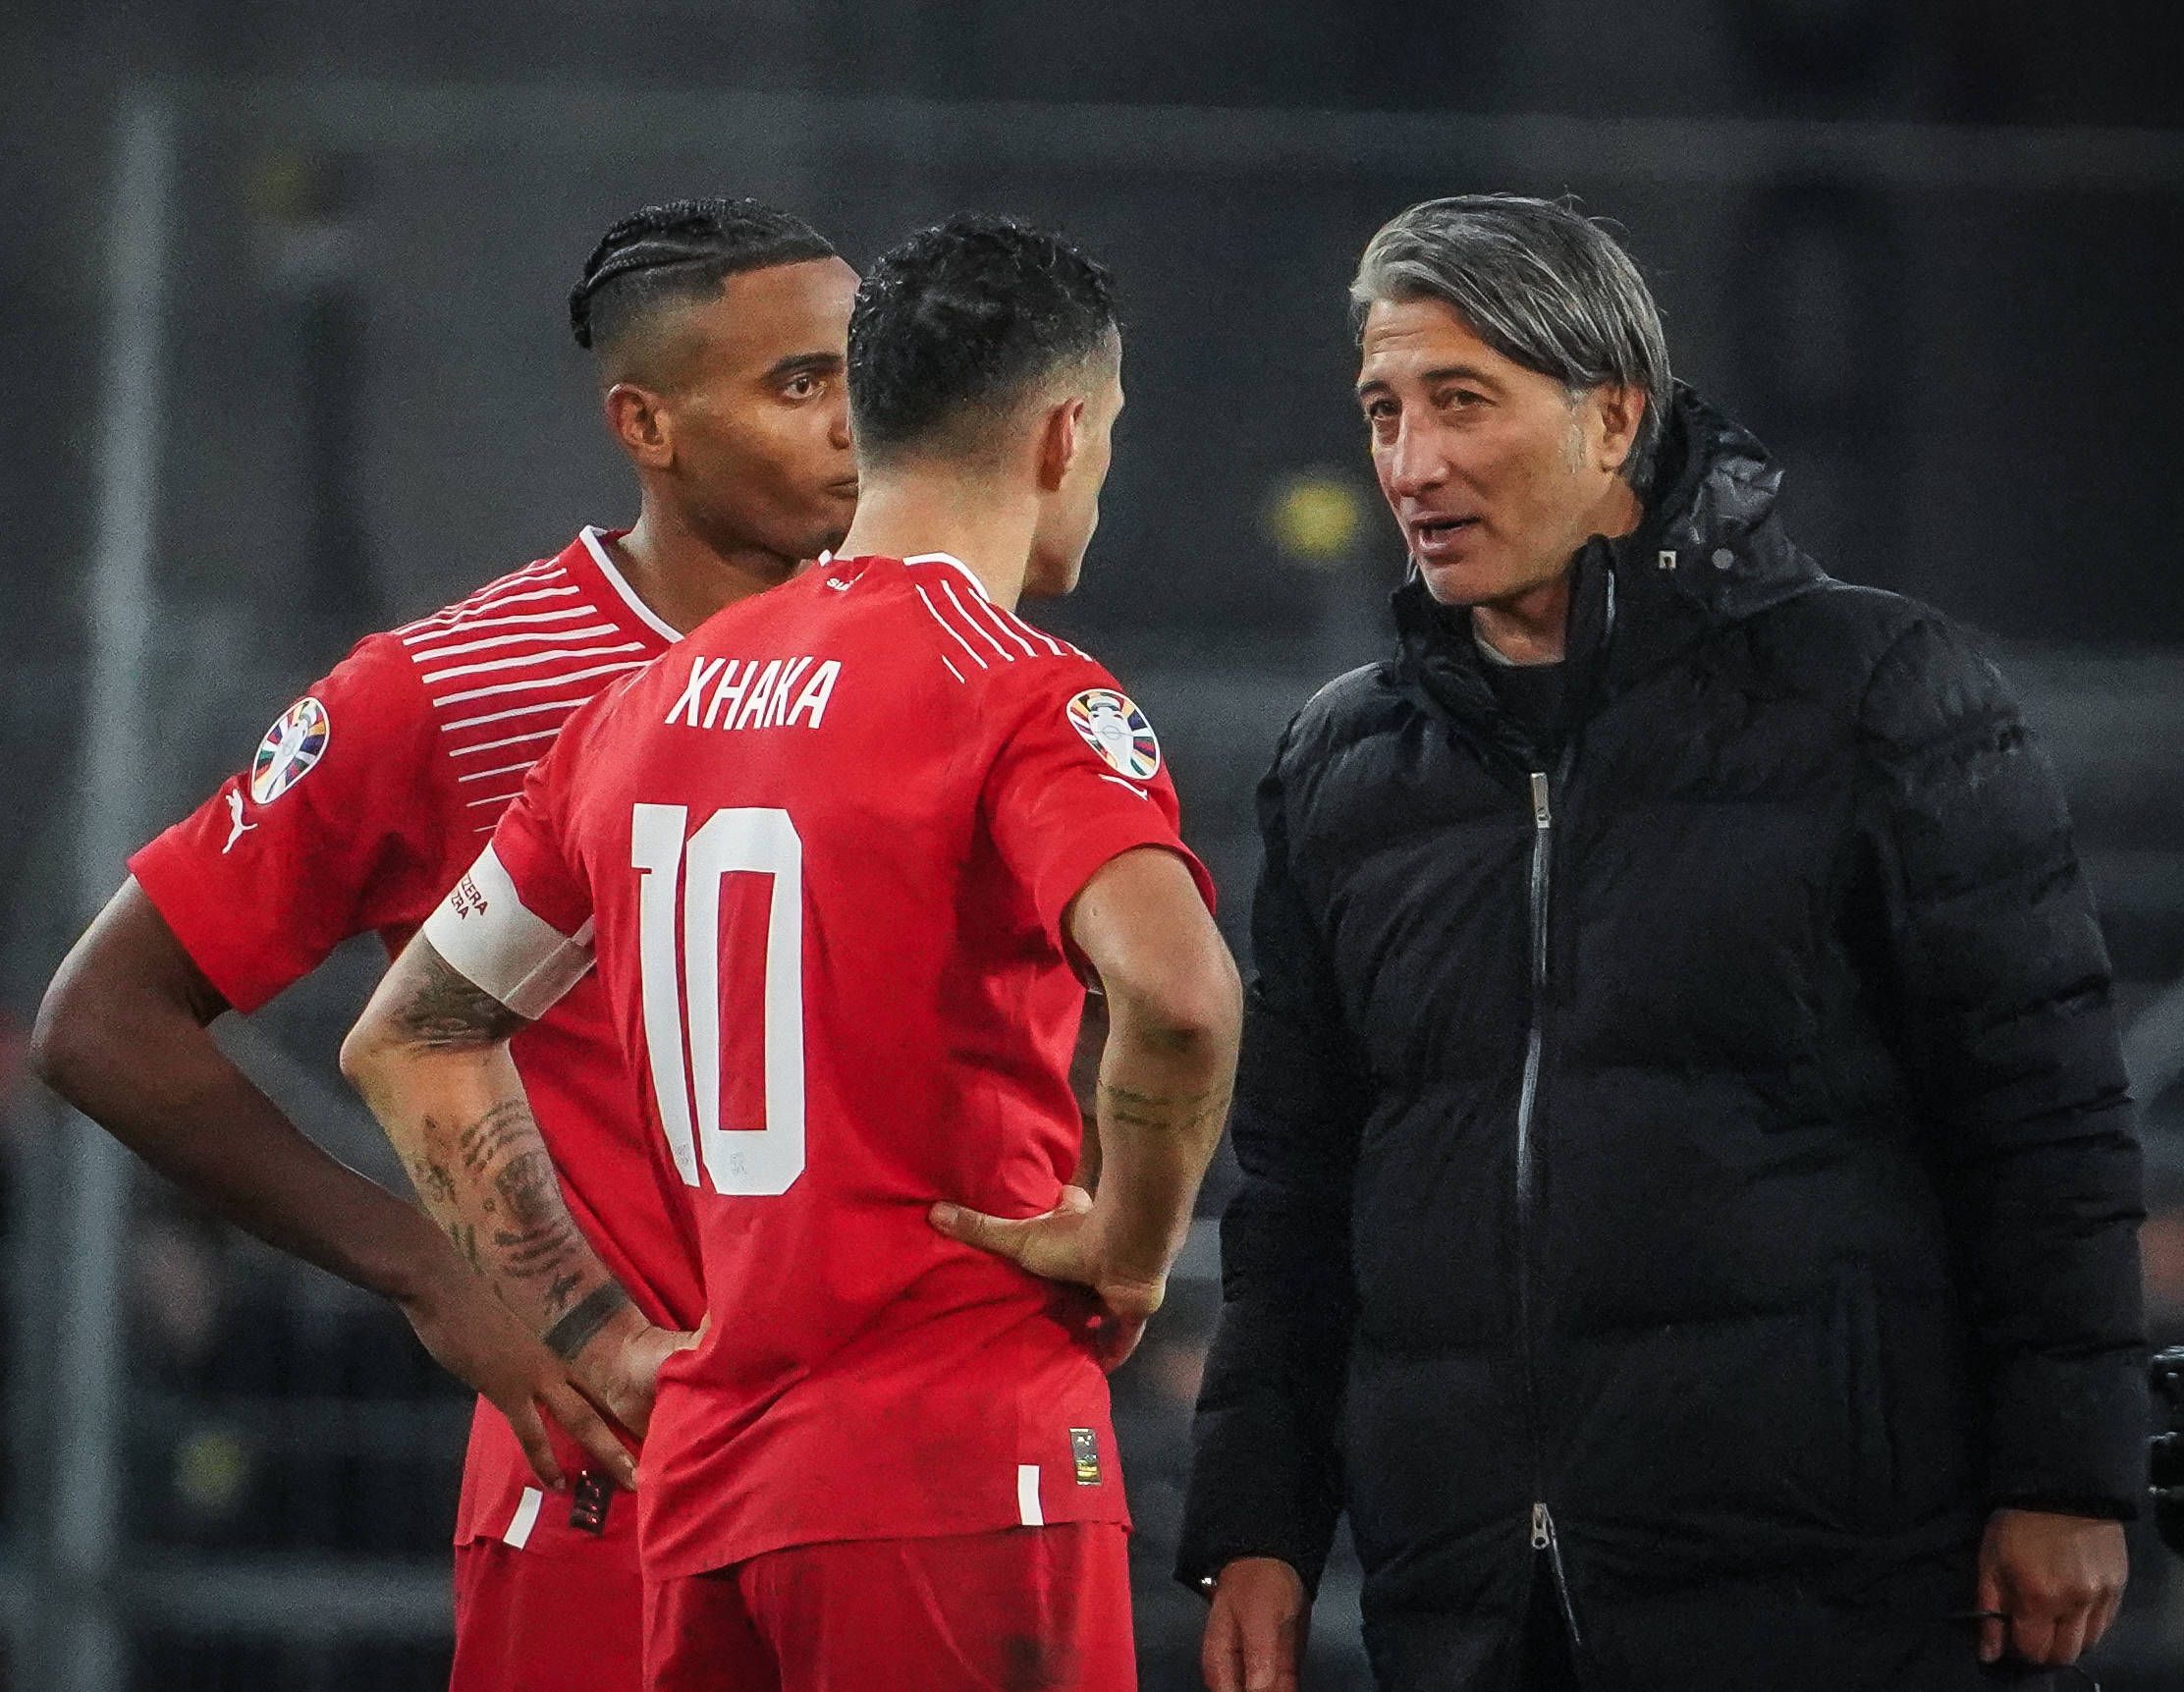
x=906 y=515
x=682 y=577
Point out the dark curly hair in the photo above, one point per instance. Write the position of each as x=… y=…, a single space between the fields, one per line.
x=677 y=253
x=962 y=319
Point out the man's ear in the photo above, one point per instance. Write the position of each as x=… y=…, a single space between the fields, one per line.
x=1058 y=443
x=1618 y=408
x=640 y=421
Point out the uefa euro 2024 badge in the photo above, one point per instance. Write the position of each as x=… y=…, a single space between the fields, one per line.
x=1119 y=732
x=295 y=741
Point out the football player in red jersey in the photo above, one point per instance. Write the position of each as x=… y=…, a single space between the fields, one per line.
x=840 y=859
x=720 y=329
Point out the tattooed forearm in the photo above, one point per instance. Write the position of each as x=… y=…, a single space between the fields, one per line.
x=573 y=1332
x=486 y=1141
x=433 y=1182
x=430 y=1056
x=1188 y=1114
x=443 y=1008
x=490 y=1183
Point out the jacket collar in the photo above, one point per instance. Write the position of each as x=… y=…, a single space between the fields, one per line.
x=1710 y=550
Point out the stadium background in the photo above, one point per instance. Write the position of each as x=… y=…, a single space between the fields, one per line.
x=281 y=299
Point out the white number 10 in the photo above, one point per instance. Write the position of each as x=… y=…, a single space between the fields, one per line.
x=685 y=1048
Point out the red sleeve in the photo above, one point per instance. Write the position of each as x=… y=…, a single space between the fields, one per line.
x=531 y=841
x=1078 y=779
x=333 y=830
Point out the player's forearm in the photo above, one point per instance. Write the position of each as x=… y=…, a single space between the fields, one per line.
x=122 y=1036
x=1164 y=1090
x=464 y=1131
x=431 y=1059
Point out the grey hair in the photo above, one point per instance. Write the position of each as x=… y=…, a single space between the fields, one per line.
x=1538 y=282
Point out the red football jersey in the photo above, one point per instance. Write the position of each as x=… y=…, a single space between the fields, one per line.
x=367 y=802
x=821 y=854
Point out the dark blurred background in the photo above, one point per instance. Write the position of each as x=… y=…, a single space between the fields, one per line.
x=280 y=304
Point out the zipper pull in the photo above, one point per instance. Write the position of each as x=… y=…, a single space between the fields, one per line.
x=1541 y=816
x=1543 y=1524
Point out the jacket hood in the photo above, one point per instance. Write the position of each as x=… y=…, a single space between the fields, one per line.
x=1709 y=549
x=1711 y=501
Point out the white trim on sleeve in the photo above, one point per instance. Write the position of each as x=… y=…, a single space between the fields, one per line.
x=484 y=931
x=1029 y=1511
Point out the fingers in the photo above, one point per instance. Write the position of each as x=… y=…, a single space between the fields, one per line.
x=538 y=1450
x=1114 y=1337
x=632 y=1408
x=2031 y=1633
x=974 y=1227
x=1993 y=1624
x=2069 y=1640
x=584 y=1425
x=1221 y=1653
x=1269 y=1653
x=2103 y=1614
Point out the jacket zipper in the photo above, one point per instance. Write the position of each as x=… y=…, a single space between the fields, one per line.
x=1542 y=1519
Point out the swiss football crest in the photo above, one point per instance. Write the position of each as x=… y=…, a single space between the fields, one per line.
x=293 y=743
x=1117 y=730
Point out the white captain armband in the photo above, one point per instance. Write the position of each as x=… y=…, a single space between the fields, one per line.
x=484 y=930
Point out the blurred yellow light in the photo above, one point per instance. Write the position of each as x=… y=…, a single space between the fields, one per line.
x=213 y=1470
x=1315 y=516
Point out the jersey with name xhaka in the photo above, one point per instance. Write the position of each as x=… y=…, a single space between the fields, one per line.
x=363 y=805
x=821 y=854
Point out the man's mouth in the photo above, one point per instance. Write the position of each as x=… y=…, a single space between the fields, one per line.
x=1433 y=537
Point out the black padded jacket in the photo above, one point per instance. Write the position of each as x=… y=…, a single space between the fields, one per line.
x=1693 y=1166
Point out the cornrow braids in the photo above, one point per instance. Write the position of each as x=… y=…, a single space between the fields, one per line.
x=680 y=251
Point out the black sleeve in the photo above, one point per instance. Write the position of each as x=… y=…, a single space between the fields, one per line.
x=2002 y=981
x=1266 y=1478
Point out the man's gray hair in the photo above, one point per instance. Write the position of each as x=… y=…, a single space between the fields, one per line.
x=1538 y=282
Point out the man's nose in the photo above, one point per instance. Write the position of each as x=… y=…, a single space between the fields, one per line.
x=1416 y=463
x=840 y=433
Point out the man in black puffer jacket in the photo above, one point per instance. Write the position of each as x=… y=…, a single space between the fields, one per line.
x=1690 y=1202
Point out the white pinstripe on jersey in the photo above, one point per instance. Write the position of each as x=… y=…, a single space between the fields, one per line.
x=538 y=630
x=989 y=634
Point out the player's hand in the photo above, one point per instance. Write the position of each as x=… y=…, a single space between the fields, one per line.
x=1066 y=1244
x=1255 y=1631
x=2054 y=1581
x=473 y=1336
x=619 y=1366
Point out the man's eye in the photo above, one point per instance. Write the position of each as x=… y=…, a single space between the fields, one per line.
x=1380 y=411
x=1462 y=397
x=802 y=387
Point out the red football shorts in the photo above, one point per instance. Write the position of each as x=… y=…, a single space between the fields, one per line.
x=531 y=1623
x=1025 y=1609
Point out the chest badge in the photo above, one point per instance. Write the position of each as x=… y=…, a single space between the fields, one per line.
x=1084 y=1448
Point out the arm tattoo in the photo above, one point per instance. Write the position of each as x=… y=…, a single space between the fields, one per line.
x=1184 y=1113
x=491 y=1184
x=573 y=1332
x=445 y=1009
x=455 y=1107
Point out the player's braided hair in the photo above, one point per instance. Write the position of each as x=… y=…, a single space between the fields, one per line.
x=962 y=318
x=678 y=251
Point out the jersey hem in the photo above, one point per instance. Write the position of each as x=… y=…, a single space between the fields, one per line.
x=686 y=1568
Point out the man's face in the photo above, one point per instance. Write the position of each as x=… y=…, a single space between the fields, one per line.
x=1073 y=513
x=759 y=413
x=1495 y=475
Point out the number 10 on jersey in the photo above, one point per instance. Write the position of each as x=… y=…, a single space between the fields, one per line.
x=679 y=889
